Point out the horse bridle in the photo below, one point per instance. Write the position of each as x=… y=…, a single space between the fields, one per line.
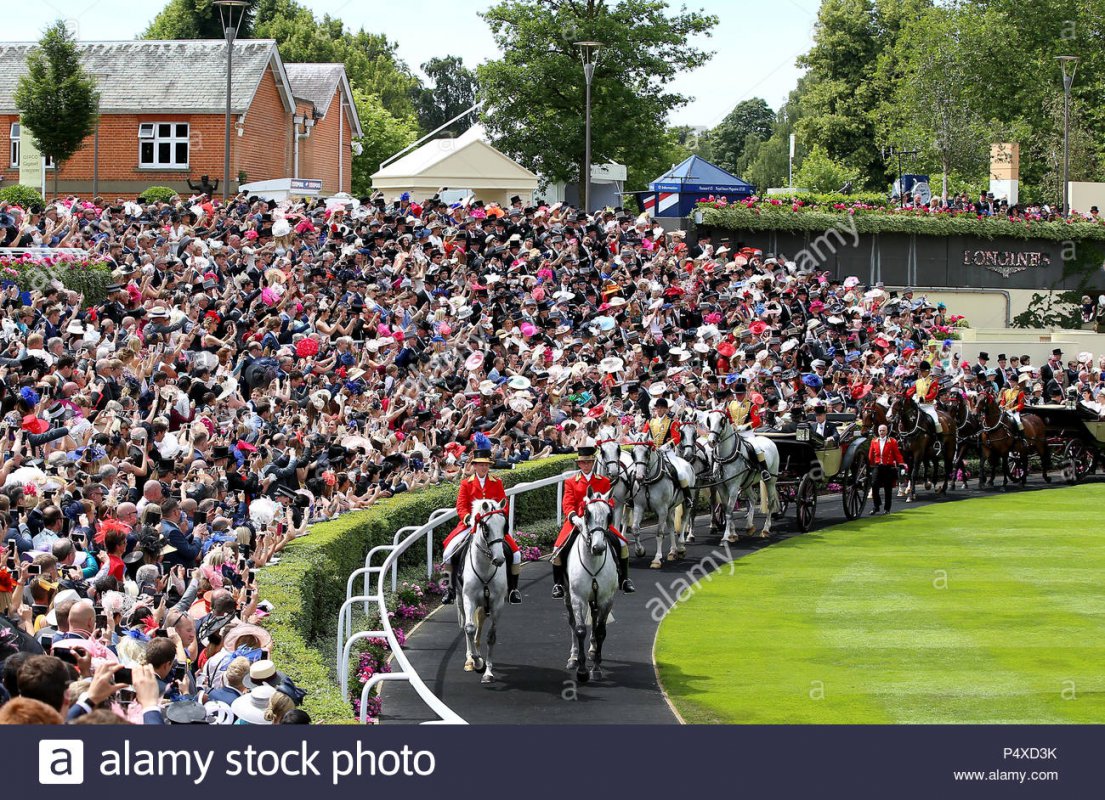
x=987 y=399
x=620 y=472
x=483 y=544
x=649 y=481
x=738 y=454
x=589 y=536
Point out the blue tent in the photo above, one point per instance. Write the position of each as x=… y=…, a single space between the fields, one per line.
x=675 y=193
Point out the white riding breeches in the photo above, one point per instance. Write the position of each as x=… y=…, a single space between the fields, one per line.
x=930 y=409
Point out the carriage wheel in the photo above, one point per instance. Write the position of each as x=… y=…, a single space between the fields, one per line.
x=787 y=493
x=805 y=503
x=1018 y=466
x=855 y=490
x=1079 y=461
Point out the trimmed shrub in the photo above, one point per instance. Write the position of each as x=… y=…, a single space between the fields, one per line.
x=780 y=215
x=23 y=196
x=88 y=274
x=158 y=194
x=307 y=587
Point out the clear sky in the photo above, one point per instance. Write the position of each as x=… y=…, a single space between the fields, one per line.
x=755 y=43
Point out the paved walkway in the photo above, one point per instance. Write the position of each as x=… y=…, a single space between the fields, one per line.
x=533 y=686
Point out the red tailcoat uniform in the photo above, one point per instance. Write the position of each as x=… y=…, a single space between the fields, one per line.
x=890 y=456
x=575 y=493
x=470 y=492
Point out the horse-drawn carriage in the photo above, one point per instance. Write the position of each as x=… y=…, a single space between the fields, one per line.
x=809 y=465
x=1076 y=435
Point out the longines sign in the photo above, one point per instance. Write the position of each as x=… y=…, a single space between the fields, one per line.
x=1005 y=262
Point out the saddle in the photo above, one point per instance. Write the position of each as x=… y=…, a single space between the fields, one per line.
x=680 y=472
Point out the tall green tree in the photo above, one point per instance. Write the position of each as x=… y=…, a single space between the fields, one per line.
x=57 y=98
x=453 y=92
x=370 y=59
x=535 y=90
x=749 y=121
x=194 y=19
x=933 y=107
x=384 y=136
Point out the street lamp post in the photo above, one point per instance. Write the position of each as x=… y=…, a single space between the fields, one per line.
x=589 y=53
x=1069 y=65
x=231 y=14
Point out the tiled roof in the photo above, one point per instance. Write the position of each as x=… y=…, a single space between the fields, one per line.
x=315 y=83
x=166 y=76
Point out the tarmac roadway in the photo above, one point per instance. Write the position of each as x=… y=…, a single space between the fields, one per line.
x=533 y=686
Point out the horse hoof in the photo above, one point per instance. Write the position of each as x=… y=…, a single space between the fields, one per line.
x=479 y=665
x=469 y=666
x=654 y=565
x=487 y=678
x=583 y=676
x=681 y=552
x=671 y=556
x=638 y=550
x=731 y=539
x=764 y=534
x=573 y=663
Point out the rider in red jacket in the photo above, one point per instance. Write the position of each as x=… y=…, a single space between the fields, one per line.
x=575 y=496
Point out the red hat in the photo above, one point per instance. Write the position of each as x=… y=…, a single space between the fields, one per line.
x=756 y=398
x=860 y=391
x=726 y=349
x=595 y=412
x=758 y=327
x=33 y=424
x=246 y=447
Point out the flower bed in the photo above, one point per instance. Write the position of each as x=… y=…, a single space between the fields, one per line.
x=797 y=215
x=88 y=274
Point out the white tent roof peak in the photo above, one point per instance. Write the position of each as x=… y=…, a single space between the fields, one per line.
x=464 y=157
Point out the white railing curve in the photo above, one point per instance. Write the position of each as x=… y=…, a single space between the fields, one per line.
x=402 y=541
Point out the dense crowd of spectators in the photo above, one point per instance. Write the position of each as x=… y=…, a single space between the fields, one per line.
x=256 y=367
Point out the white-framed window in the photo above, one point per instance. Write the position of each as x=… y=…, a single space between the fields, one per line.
x=163 y=144
x=14 y=140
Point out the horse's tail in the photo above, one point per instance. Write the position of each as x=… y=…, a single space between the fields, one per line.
x=765 y=501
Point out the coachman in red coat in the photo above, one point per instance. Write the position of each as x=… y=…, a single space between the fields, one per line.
x=575 y=495
x=481 y=486
x=885 y=459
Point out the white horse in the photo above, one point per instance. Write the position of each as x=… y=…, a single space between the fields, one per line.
x=483 y=585
x=592 y=584
x=660 y=491
x=616 y=465
x=699 y=454
x=738 y=472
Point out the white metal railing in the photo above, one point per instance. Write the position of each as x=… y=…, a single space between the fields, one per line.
x=402 y=541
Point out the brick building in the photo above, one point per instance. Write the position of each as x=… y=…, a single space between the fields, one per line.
x=162 y=117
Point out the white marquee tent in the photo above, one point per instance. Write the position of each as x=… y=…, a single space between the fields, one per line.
x=467 y=162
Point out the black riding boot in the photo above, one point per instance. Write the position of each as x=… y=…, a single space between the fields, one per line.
x=451 y=586
x=623 y=575
x=558 y=581
x=513 y=596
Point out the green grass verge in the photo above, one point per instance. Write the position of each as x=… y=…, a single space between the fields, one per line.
x=307 y=587
x=982 y=611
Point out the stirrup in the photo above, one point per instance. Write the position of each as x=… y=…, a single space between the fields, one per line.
x=765 y=475
x=449 y=596
x=557 y=591
x=514 y=597
x=628 y=587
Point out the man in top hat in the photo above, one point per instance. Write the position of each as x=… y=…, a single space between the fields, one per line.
x=1053 y=372
x=480 y=486
x=575 y=496
x=1012 y=399
x=827 y=431
x=887 y=460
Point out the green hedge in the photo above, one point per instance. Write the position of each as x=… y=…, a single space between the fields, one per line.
x=23 y=196
x=88 y=275
x=307 y=587
x=828 y=199
x=783 y=218
x=158 y=194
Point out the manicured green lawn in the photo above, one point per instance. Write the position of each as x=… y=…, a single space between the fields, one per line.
x=981 y=611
